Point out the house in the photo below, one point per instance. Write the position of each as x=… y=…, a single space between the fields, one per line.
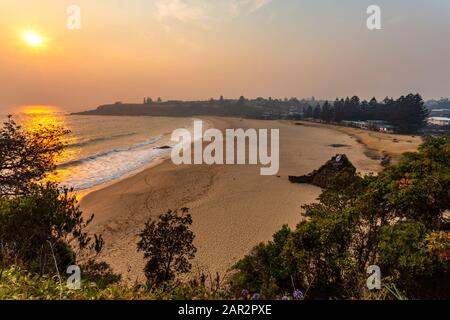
x=439 y=121
x=440 y=113
x=382 y=126
x=356 y=124
x=387 y=128
x=374 y=125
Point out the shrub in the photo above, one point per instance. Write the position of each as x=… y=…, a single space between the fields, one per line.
x=394 y=220
x=43 y=225
x=168 y=246
x=26 y=156
x=18 y=284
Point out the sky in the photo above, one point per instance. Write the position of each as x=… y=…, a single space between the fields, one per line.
x=198 y=49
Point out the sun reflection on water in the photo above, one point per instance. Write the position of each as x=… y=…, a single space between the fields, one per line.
x=36 y=118
x=38 y=110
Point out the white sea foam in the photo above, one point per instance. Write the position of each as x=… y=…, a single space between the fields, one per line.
x=100 y=169
x=103 y=149
x=96 y=168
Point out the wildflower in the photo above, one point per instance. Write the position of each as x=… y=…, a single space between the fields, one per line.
x=285 y=298
x=255 y=296
x=244 y=292
x=298 y=295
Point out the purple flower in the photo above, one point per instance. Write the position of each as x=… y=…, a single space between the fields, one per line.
x=255 y=296
x=285 y=298
x=298 y=295
x=244 y=292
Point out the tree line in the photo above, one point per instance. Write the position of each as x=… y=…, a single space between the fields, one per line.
x=407 y=114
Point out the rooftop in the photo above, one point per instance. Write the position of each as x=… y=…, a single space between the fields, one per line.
x=439 y=118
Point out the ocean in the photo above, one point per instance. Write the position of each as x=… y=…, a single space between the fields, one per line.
x=105 y=148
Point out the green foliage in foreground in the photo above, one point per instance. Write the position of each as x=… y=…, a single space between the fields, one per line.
x=17 y=284
x=395 y=220
x=43 y=227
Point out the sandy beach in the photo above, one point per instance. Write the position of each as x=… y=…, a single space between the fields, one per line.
x=376 y=144
x=233 y=207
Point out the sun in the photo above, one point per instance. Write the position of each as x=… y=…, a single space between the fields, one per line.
x=33 y=39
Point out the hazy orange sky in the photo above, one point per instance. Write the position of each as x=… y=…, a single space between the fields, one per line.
x=197 y=49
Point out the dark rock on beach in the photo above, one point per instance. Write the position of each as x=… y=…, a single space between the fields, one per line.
x=320 y=177
x=338 y=145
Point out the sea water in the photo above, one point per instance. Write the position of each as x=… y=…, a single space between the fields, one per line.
x=101 y=149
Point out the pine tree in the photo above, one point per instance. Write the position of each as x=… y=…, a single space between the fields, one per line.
x=309 y=112
x=316 y=113
x=410 y=114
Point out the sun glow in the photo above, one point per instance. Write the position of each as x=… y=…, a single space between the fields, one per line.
x=33 y=39
x=37 y=109
x=40 y=119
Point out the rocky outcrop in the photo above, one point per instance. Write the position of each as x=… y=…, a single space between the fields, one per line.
x=320 y=177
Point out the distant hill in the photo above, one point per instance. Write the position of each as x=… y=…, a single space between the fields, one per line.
x=172 y=109
x=258 y=108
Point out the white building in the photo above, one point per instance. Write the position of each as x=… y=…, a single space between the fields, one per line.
x=439 y=121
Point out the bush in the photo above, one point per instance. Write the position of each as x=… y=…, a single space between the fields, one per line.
x=99 y=273
x=394 y=220
x=18 y=284
x=41 y=226
x=168 y=246
x=42 y=230
x=27 y=156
